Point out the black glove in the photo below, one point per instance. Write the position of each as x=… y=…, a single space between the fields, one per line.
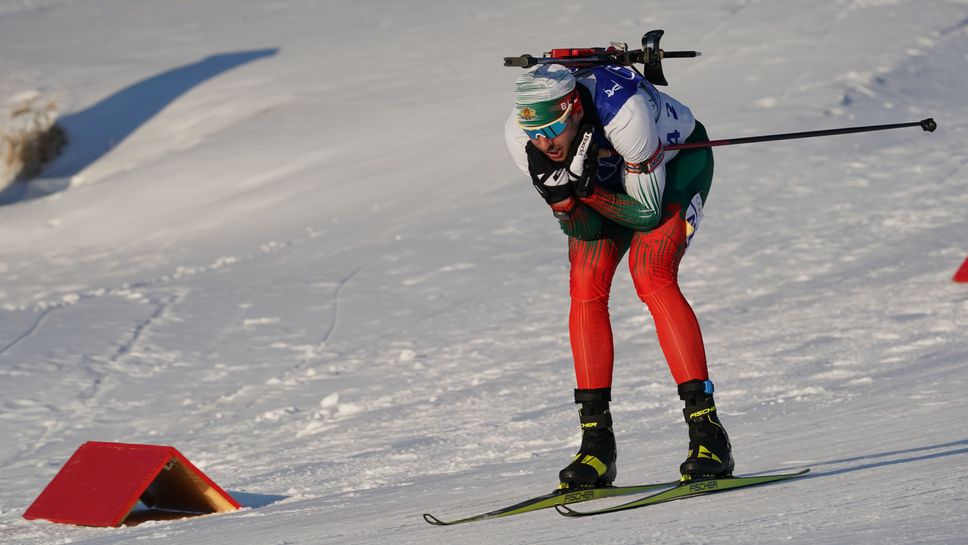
x=582 y=160
x=549 y=178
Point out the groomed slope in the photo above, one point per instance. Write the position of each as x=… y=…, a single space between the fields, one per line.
x=318 y=274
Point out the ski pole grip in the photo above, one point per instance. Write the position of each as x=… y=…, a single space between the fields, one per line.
x=929 y=124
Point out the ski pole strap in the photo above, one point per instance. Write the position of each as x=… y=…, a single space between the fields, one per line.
x=928 y=125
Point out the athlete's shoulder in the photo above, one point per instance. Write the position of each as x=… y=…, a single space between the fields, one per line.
x=611 y=86
x=516 y=140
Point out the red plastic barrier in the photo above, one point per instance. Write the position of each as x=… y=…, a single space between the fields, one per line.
x=103 y=482
x=962 y=274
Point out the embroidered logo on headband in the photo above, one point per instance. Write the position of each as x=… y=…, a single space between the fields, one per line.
x=542 y=113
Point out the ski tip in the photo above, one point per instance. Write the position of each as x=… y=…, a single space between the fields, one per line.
x=565 y=511
x=929 y=124
x=433 y=520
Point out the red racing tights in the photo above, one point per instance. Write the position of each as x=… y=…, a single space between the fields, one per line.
x=654 y=258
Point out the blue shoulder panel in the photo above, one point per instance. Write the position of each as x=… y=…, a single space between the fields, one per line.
x=614 y=86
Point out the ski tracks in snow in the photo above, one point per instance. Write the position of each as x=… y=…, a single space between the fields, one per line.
x=96 y=318
x=336 y=304
x=27 y=334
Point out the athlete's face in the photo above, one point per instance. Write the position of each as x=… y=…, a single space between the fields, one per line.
x=557 y=148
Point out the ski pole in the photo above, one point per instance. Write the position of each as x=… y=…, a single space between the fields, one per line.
x=928 y=125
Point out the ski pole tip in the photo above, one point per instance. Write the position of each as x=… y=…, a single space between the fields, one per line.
x=929 y=124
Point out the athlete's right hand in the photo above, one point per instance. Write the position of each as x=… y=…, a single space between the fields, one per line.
x=554 y=186
x=550 y=178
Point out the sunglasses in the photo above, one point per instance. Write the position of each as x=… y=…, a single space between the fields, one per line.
x=549 y=132
x=553 y=130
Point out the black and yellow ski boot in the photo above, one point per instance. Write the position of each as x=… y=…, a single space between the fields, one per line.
x=710 y=455
x=594 y=465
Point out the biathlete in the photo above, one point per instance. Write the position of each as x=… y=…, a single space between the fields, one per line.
x=592 y=140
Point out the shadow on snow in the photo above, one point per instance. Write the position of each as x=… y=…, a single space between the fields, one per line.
x=913 y=455
x=93 y=132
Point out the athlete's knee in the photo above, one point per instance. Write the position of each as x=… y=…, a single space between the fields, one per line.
x=647 y=288
x=592 y=269
x=589 y=284
x=654 y=266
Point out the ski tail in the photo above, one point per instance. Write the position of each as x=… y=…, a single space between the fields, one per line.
x=553 y=499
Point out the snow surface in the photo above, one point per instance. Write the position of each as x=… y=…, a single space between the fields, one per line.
x=292 y=245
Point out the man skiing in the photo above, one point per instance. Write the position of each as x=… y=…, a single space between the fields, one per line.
x=592 y=141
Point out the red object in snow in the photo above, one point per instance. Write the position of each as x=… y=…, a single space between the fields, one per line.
x=962 y=274
x=103 y=482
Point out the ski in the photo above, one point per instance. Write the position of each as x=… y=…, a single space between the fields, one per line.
x=551 y=500
x=687 y=490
